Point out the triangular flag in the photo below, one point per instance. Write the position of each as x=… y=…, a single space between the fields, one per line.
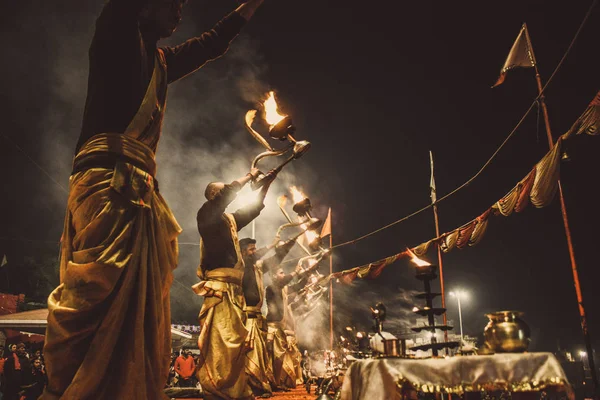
x=4 y=261
x=326 y=230
x=432 y=181
x=520 y=55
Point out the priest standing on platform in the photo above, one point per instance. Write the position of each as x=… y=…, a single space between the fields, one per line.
x=259 y=365
x=119 y=244
x=223 y=332
x=284 y=367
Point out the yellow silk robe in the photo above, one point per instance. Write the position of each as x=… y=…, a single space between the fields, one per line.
x=223 y=333
x=108 y=334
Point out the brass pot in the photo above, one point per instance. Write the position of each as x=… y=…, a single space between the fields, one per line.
x=391 y=347
x=506 y=332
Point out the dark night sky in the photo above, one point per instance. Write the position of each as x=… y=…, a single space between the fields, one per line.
x=374 y=86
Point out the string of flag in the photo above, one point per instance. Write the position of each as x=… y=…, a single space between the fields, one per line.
x=538 y=187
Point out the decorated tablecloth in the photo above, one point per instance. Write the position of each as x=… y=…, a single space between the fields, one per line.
x=390 y=378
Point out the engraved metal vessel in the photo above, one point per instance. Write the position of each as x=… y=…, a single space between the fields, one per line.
x=506 y=332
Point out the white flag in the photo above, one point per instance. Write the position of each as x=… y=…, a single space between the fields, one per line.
x=4 y=262
x=432 y=181
x=520 y=55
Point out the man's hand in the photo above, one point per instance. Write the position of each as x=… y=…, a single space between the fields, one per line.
x=268 y=179
x=254 y=172
x=250 y=176
x=271 y=175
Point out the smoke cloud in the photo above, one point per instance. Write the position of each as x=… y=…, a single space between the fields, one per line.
x=204 y=140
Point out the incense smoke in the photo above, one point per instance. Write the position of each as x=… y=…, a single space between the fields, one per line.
x=203 y=140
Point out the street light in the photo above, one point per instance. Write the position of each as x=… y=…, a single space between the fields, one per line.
x=583 y=355
x=458 y=294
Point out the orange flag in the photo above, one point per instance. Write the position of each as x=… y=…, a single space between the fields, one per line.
x=326 y=230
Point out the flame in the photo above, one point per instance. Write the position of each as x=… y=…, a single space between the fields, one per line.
x=310 y=235
x=297 y=195
x=281 y=200
x=417 y=260
x=271 y=115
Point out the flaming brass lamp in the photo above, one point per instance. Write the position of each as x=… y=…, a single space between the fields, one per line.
x=280 y=128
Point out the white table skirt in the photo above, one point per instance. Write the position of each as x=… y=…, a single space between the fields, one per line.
x=383 y=378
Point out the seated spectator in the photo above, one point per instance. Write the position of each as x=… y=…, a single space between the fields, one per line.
x=185 y=367
x=38 y=381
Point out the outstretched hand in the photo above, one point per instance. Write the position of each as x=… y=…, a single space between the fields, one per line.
x=268 y=180
x=254 y=173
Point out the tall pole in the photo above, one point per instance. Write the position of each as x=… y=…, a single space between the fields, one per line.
x=330 y=288
x=563 y=208
x=439 y=250
x=460 y=319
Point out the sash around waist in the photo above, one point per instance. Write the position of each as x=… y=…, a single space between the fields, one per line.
x=253 y=311
x=226 y=275
x=105 y=150
x=276 y=325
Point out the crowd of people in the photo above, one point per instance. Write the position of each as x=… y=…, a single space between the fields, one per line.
x=22 y=372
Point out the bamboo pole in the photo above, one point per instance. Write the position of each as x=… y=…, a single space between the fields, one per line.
x=565 y=218
x=439 y=250
x=330 y=288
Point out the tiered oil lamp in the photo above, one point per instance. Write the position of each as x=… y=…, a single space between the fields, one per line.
x=427 y=272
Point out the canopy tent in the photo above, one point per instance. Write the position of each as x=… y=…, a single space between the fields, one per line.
x=35 y=321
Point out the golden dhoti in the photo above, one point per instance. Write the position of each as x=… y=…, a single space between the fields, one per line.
x=223 y=333
x=283 y=365
x=260 y=373
x=295 y=355
x=108 y=334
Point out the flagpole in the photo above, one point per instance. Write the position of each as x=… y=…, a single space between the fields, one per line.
x=330 y=287
x=563 y=208
x=439 y=250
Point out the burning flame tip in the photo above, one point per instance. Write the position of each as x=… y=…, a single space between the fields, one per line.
x=272 y=116
x=281 y=200
x=416 y=260
x=297 y=194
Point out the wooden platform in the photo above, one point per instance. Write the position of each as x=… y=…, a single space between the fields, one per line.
x=295 y=394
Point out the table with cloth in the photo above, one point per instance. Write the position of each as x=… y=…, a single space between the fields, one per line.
x=523 y=375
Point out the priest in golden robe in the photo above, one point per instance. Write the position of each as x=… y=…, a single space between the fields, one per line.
x=284 y=365
x=223 y=334
x=259 y=365
x=108 y=334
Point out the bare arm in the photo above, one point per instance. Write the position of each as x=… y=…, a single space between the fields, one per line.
x=212 y=209
x=246 y=214
x=280 y=252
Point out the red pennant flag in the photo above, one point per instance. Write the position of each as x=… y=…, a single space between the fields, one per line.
x=326 y=231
